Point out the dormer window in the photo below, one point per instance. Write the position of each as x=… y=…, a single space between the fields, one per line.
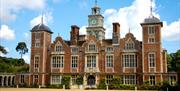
x=92 y=47
x=129 y=46
x=151 y=30
x=74 y=50
x=109 y=49
x=58 y=48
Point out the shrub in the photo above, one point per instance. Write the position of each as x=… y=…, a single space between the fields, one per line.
x=102 y=84
x=66 y=82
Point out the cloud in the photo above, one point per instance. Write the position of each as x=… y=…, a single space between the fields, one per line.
x=26 y=58
x=6 y=33
x=47 y=17
x=10 y=8
x=171 y=32
x=129 y=17
x=82 y=30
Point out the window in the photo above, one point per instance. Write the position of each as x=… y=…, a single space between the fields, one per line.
x=74 y=61
x=22 y=78
x=36 y=79
x=129 y=79
x=151 y=40
x=37 y=39
x=37 y=43
x=58 y=61
x=91 y=61
x=92 y=47
x=109 y=49
x=109 y=61
x=151 y=30
x=37 y=36
x=172 y=80
x=73 y=79
x=56 y=79
x=109 y=78
x=58 y=48
x=151 y=59
x=36 y=63
x=152 y=80
x=74 y=50
x=129 y=60
x=129 y=46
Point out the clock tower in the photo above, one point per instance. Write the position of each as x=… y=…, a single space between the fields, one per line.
x=95 y=23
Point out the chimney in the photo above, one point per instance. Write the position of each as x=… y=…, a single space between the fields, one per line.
x=74 y=34
x=116 y=33
x=116 y=27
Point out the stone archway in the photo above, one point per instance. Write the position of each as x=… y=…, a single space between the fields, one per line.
x=5 y=81
x=1 y=80
x=9 y=81
x=13 y=80
x=91 y=80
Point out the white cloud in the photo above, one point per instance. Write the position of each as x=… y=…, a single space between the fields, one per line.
x=26 y=58
x=82 y=30
x=171 y=32
x=47 y=17
x=128 y=17
x=9 y=8
x=6 y=33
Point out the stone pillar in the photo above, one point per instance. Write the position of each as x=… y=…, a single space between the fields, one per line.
x=85 y=80
x=2 y=81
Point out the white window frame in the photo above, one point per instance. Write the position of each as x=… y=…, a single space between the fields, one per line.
x=109 y=61
x=151 y=60
x=92 y=47
x=36 y=78
x=37 y=40
x=151 y=30
x=58 y=48
x=56 y=79
x=129 y=79
x=73 y=79
x=57 y=61
x=74 y=50
x=151 y=39
x=74 y=61
x=129 y=60
x=152 y=80
x=109 y=49
x=22 y=78
x=172 y=80
x=109 y=78
x=36 y=63
x=91 y=61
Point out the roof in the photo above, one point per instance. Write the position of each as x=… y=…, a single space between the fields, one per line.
x=151 y=19
x=41 y=27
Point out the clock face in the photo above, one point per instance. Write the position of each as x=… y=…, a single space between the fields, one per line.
x=93 y=21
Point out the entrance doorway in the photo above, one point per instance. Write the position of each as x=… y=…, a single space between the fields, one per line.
x=91 y=80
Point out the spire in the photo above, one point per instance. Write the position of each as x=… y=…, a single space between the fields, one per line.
x=42 y=18
x=129 y=30
x=151 y=8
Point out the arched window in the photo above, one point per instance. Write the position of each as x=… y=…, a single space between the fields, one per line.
x=129 y=45
x=58 y=48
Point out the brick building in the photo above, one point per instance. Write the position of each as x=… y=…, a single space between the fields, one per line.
x=94 y=57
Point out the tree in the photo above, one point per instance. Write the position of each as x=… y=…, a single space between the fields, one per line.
x=3 y=50
x=22 y=48
x=177 y=58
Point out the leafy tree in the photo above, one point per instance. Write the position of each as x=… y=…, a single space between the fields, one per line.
x=3 y=50
x=22 y=48
x=79 y=80
x=177 y=57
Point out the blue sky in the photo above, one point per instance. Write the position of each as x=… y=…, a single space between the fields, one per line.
x=17 y=17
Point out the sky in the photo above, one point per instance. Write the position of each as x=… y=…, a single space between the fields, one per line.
x=17 y=18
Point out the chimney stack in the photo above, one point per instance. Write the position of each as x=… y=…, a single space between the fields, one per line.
x=74 y=34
